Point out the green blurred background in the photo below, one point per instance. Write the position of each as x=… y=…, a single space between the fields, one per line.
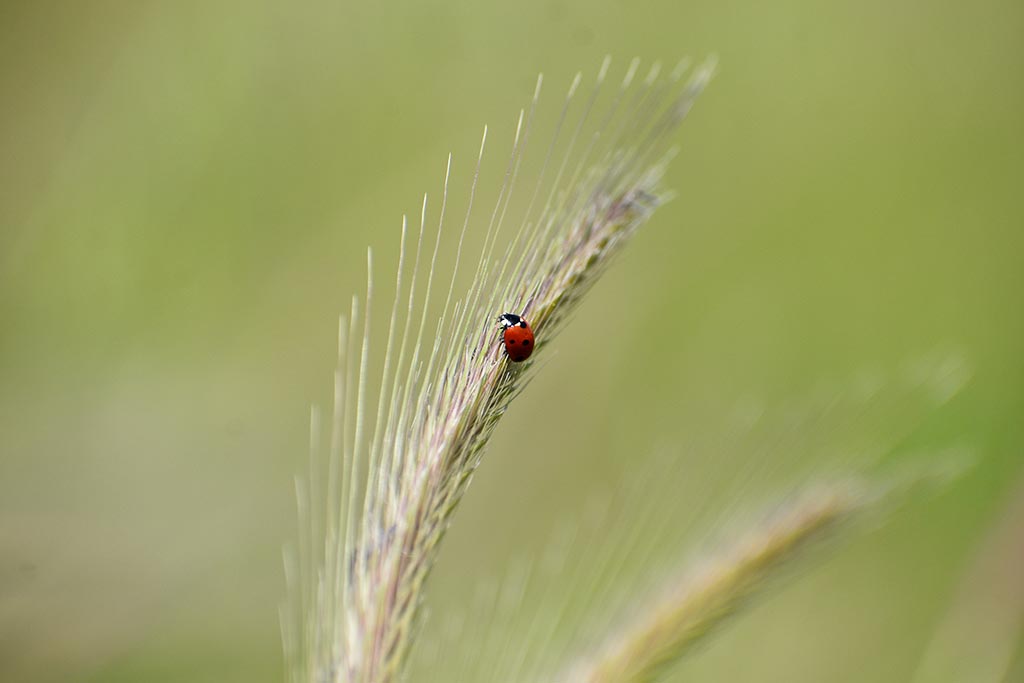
x=186 y=192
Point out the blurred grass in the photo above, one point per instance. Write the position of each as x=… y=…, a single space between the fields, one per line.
x=186 y=191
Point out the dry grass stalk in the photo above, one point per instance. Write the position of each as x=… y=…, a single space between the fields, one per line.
x=693 y=605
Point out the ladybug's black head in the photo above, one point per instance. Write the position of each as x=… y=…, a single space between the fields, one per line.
x=509 y=320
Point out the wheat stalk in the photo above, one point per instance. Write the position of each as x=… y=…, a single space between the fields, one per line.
x=369 y=539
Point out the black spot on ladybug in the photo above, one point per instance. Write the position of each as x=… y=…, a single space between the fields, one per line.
x=510 y=342
x=526 y=342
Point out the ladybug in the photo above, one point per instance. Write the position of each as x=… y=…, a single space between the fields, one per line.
x=517 y=337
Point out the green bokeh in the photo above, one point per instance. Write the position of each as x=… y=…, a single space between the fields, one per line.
x=186 y=192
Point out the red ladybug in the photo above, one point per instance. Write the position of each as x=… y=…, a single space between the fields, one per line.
x=517 y=337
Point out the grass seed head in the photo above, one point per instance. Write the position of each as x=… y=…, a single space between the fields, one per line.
x=396 y=471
